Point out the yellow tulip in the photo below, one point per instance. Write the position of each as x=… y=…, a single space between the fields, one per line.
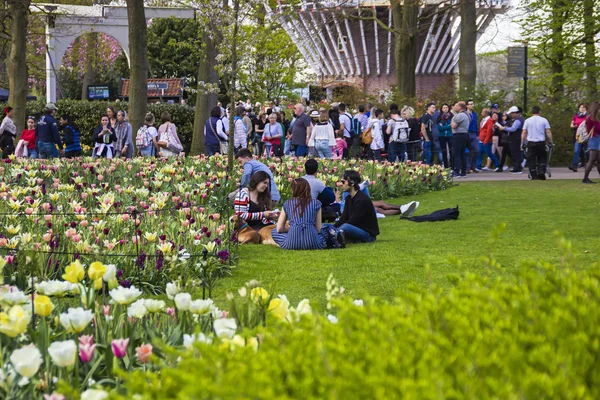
x=74 y=272
x=98 y=283
x=96 y=271
x=279 y=308
x=43 y=306
x=14 y=322
x=259 y=295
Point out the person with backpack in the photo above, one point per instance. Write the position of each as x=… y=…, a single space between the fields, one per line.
x=145 y=139
x=535 y=131
x=240 y=131
x=592 y=126
x=350 y=128
x=579 y=149
x=71 y=137
x=414 y=133
x=168 y=141
x=215 y=133
x=374 y=128
x=398 y=129
x=123 y=130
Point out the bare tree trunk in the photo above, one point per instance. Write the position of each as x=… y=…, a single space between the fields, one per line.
x=89 y=73
x=405 y=23
x=138 y=85
x=467 y=62
x=557 y=88
x=17 y=68
x=591 y=72
x=232 y=82
x=205 y=100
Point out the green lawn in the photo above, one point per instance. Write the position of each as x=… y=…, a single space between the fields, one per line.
x=533 y=210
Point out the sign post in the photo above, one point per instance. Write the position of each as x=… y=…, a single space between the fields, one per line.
x=517 y=68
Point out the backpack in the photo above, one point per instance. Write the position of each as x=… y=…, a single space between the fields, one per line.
x=440 y=215
x=141 y=138
x=367 y=136
x=400 y=132
x=355 y=126
x=583 y=134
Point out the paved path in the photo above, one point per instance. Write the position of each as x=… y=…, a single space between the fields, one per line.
x=557 y=173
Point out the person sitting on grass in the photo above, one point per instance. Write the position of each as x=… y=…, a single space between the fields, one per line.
x=304 y=214
x=358 y=220
x=253 y=204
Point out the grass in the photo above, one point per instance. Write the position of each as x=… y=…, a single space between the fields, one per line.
x=532 y=210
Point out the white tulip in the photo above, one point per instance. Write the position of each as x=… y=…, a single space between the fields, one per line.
x=189 y=340
x=76 y=319
x=172 y=290
x=26 y=361
x=137 y=309
x=304 y=307
x=124 y=296
x=225 y=328
x=94 y=394
x=63 y=353
x=154 y=305
x=111 y=272
x=201 y=307
x=183 y=301
x=13 y=298
x=332 y=318
x=55 y=288
x=358 y=302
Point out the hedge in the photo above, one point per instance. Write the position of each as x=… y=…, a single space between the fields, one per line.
x=533 y=336
x=86 y=115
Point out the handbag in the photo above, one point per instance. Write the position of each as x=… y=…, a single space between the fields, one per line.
x=223 y=146
x=173 y=142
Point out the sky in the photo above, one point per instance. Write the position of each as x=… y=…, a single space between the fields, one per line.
x=504 y=31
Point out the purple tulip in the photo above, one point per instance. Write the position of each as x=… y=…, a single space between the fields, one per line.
x=119 y=347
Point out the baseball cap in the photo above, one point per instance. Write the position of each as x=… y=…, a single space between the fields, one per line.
x=513 y=109
x=495 y=105
x=314 y=114
x=51 y=106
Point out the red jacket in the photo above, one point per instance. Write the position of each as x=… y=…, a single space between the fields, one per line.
x=29 y=136
x=486 y=131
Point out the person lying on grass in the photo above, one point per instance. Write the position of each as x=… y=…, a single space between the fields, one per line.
x=382 y=208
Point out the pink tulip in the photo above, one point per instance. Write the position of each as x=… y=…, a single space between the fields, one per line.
x=170 y=311
x=106 y=310
x=144 y=352
x=86 y=352
x=119 y=347
x=54 y=396
x=76 y=238
x=84 y=196
x=29 y=211
x=86 y=339
x=100 y=177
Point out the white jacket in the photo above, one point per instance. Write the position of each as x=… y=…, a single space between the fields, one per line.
x=375 y=125
x=322 y=132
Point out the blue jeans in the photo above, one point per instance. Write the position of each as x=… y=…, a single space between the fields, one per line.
x=429 y=148
x=473 y=148
x=47 y=150
x=355 y=234
x=301 y=151
x=148 y=151
x=487 y=148
x=396 y=150
x=322 y=148
x=579 y=147
x=33 y=154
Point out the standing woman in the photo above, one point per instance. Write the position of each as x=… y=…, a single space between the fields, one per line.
x=124 y=144
x=29 y=137
x=71 y=137
x=272 y=136
x=579 y=149
x=322 y=137
x=259 y=129
x=414 y=133
x=8 y=133
x=377 y=145
x=593 y=123
x=112 y=116
x=150 y=139
x=104 y=138
x=304 y=214
x=445 y=134
x=168 y=141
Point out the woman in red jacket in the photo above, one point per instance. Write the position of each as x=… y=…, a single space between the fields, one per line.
x=593 y=125
x=579 y=149
x=486 y=139
x=29 y=137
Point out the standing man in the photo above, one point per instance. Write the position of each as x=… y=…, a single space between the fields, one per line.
x=301 y=131
x=427 y=123
x=345 y=129
x=460 y=138
x=535 y=131
x=358 y=220
x=47 y=133
x=473 y=136
x=514 y=129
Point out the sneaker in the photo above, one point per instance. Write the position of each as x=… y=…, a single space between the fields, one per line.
x=463 y=175
x=485 y=169
x=341 y=239
x=516 y=172
x=587 y=181
x=455 y=175
x=498 y=170
x=523 y=163
x=573 y=168
x=408 y=210
x=480 y=169
x=505 y=168
x=379 y=215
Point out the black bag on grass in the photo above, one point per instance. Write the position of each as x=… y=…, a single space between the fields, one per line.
x=440 y=215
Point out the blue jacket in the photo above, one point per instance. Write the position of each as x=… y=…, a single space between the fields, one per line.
x=47 y=130
x=253 y=166
x=72 y=139
x=473 y=126
x=445 y=127
x=212 y=139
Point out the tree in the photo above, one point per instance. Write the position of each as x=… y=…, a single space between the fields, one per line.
x=138 y=85
x=17 y=69
x=467 y=61
x=406 y=18
x=589 y=30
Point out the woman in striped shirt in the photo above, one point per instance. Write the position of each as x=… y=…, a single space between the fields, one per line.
x=253 y=202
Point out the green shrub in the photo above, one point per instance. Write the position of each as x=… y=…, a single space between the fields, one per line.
x=87 y=116
x=530 y=336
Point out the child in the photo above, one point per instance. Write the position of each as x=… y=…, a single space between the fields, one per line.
x=340 y=144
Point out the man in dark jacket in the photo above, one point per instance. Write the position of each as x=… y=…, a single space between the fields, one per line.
x=358 y=221
x=47 y=134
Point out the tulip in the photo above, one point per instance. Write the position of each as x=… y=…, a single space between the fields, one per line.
x=98 y=283
x=137 y=309
x=170 y=311
x=94 y=394
x=96 y=270
x=183 y=301
x=119 y=347
x=76 y=319
x=279 y=307
x=74 y=273
x=43 y=306
x=143 y=353
x=55 y=288
x=86 y=339
x=110 y=273
x=259 y=295
x=14 y=322
x=200 y=307
x=154 y=305
x=124 y=296
x=63 y=353
x=26 y=361
x=14 y=297
x=86 y=352
x=54 y=396
x=189 y=340
x=225 y=328
x=172 y=290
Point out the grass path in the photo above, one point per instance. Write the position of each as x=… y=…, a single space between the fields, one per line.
x=532 y=210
